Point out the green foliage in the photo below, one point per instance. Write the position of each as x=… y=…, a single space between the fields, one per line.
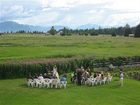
x=137 y=32
x=93 y=33
x=120 y=31
x=22 y=70
x=127 y=30
x=21 y=31
x=18 y=70
x=113 y=34
x=52 y=31
x=134 y=75
x=65 y=32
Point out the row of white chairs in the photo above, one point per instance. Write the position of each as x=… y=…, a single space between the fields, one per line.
x=49 y=83
x=98 y=80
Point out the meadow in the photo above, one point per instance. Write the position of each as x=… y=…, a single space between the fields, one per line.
x=15 y=92
x=28 y=46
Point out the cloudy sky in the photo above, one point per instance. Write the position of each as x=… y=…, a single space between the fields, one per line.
x=71 y=13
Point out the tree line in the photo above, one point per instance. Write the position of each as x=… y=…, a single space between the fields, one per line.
x=114 y=31
x=122 y=31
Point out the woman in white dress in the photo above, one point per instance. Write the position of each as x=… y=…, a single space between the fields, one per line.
x=55 y=73
x=121 y=78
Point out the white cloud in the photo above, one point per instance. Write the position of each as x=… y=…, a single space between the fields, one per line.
x=120 y=19
x=71 y=12
x=133 y=5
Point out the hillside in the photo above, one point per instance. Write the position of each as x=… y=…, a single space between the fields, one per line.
x=10 y=26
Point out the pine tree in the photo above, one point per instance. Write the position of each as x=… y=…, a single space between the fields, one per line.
x=127 y=30
x=137 y=32
x=52 y=31
x=65 y=31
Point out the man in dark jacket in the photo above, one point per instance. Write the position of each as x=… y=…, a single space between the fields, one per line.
x=79 y=76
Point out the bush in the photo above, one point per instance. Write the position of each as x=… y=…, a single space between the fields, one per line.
x=113 y=34
x=22 y=70
x=93 y=33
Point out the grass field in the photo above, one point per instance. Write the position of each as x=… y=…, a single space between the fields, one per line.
x=15 y=92
x=18 y=47
x=27 y=46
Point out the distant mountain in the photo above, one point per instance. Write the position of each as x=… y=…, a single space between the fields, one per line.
x=59 y=27
x=12 y=26
x=88 y=26
x=9 y=26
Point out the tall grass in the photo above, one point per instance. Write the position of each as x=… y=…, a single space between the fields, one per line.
x=19 y=70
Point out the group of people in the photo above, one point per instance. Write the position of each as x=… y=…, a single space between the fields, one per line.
x=50 y=77
x=48 y=74
x=81 y=75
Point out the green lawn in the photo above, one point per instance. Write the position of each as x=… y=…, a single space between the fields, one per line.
x=27 y=46
x=18 y=47
x=15 y=92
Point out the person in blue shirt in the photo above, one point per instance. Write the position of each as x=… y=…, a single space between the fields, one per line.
x=63 y=78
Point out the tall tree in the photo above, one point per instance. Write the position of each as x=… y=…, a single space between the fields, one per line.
x=127 y=30
x=120 y=30
x=65 y=31
x=137 y=32
x=52 y=31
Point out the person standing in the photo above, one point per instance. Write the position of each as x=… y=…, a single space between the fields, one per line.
x=111 y=67
x=121 y=77
x=79 y=76
x=89 y=71
x=55 y=73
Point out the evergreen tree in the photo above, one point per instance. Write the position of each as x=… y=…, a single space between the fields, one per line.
x=65 y=31
x=127 y=30
x=93 y=32
x=120 y=31
x=52 y=31
x=137 y=32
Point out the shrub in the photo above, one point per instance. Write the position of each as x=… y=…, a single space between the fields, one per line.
x=22 y=70
x=113 y=34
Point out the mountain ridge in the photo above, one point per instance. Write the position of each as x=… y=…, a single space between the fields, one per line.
x=9 y=26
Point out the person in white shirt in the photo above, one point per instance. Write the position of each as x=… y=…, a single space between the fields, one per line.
x=121 y=78
x=40 y=77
